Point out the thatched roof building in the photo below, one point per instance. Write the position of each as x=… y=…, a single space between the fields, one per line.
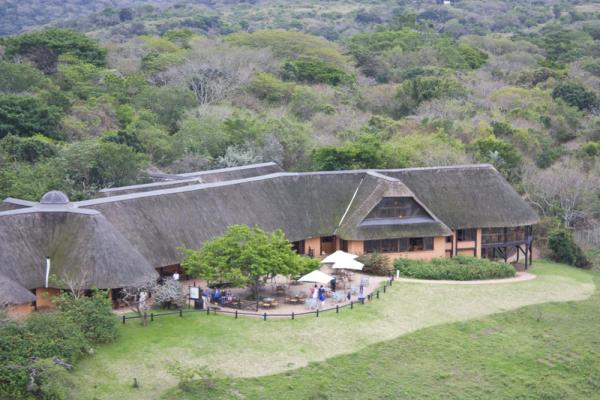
x=119 y=239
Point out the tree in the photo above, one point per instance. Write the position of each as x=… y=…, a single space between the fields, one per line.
x=44 y=47
x=216 y=73
x=136 y=298
x=28 y=115
x=170 y=292
x=366 y=152
x=92 y=314
x=245 y=256
x=564 y=249
x=575 y=95
x=92 y=164
x=503 y=155
x=565 y=190
x=315 y=71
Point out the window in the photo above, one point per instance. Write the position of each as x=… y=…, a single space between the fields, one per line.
x=449 y=239
x=398 y=245
x=466 y=235
x=298 y=246
x=344 y=245
x=397 y=207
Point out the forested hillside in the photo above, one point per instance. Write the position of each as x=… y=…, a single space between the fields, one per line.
x=108 y=90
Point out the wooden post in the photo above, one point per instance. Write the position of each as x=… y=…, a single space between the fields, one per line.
x=151 y=317
x=317 y=313
x=180 y=312
x=123 y=320
x=351 y=305
x=292 y=315
x=236 y=314
x=265 y=316
x=337 y=309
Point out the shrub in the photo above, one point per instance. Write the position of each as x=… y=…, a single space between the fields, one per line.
x=457 y=268
x=376 y=264
x=575 y=95
x=93 y=315
x=22 y=344
x=564 y=249
x=51 y=379
x=315 y=71
x=169 y=293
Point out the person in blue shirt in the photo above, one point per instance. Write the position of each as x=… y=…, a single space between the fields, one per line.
x=217 y=295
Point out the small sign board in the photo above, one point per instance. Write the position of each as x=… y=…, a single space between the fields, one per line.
x=194 y=293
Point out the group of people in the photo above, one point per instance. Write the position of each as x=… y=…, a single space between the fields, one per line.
x=215 y=296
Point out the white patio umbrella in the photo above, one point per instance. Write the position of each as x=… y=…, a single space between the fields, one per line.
x=349 y=264
x=338 y=256
x=317 y=277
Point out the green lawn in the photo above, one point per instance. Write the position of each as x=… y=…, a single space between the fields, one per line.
x=503 y=355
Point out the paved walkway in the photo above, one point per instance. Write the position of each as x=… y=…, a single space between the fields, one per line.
x=521 y=277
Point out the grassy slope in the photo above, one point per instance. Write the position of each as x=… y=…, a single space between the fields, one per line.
x=248 y=347
x=548 y=351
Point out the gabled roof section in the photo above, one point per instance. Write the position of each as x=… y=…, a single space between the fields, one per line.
x=467 y=196
x=373 y=189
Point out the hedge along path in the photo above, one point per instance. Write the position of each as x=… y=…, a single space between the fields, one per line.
x=520 y=277
x=250 y=347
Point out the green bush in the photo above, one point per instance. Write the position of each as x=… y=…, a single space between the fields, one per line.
x=575 y=95
x=93 y=315
x=315 y=71
x=40 y=336
x=376 y=264
x=457 y=268
x=564 y=249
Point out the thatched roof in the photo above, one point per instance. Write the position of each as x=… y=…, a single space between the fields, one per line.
x=468 y=196
x=82 y=247
x=371 y=190
x=119 y=239
x=191 y=178
x=13 y=293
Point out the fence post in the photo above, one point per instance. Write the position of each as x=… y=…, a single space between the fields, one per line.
x=265 y=316
x=236 y=314
x=292 y=315
x=384 y=286
x=151 y=317
x=351 y=305
x=180 y=312
x=123 y=320
x=317 y=313
x=215 y=310
x=207 y=310
x=378 y=294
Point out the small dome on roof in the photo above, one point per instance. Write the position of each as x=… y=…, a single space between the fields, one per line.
x=54 y=197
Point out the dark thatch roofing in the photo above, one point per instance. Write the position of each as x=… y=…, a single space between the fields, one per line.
x=117 y=240
x=82 y=247
x=191 y=178
x=470 y=196
x=13 y=293
x=157 y=223
x=371 y=190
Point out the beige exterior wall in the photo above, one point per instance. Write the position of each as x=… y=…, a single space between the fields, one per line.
x=19 y=310
x=43 y=297
x=356 y=247
x=314 y=244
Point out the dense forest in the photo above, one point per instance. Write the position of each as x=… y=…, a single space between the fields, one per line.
x=97 y=93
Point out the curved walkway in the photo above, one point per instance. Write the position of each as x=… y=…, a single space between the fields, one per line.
x=521 y=277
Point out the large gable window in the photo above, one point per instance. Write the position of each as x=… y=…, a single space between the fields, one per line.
x=398 y=245
x=397 y=209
